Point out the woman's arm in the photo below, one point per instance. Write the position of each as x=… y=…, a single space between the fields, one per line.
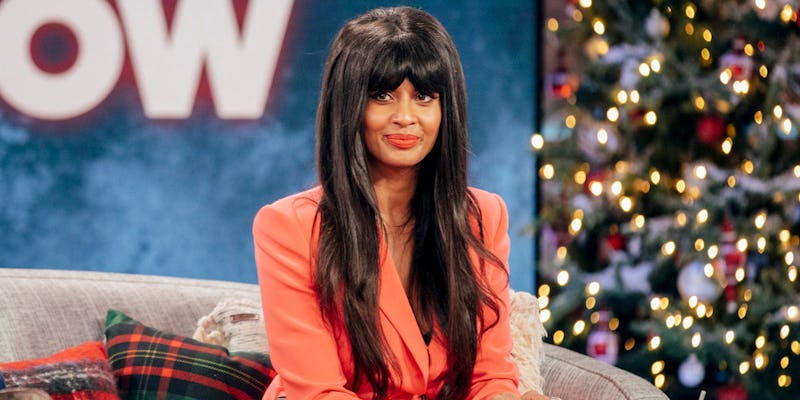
x=302 y=348
x=495 y=372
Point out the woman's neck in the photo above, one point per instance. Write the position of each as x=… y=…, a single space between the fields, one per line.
x=393 y=193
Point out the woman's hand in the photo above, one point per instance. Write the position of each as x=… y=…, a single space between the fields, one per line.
x=530 y=395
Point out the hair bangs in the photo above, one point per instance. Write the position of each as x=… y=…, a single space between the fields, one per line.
x=403 y=59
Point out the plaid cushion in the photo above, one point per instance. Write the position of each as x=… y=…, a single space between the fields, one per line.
x=151 y=364
x=80 y=372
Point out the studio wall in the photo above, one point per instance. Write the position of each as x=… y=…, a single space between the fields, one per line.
x=156 y=159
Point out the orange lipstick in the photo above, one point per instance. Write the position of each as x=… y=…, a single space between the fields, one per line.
x=402 y=141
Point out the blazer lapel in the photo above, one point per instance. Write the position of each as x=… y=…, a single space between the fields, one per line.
x=394 y=305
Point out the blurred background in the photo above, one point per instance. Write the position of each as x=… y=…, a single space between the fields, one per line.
x=669 y=224
x=143 y=137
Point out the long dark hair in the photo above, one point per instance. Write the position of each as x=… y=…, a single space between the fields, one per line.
x=376 y=52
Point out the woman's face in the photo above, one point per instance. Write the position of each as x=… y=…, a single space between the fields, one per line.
x=401 y=126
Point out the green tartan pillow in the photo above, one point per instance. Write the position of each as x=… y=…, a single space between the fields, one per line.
x=152 y=364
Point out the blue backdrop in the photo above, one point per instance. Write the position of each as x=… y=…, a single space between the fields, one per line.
x=116 y=191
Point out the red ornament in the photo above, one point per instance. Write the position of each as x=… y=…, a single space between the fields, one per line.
x=603 y=344
x=732 y=391
x=562 y=83
x=595 y=176
x=615 y=239
x=711 y=129
x=730 y=260
x=739 y=63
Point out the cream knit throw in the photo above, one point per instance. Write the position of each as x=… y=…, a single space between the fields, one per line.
x=527 y=332
x=236 y=324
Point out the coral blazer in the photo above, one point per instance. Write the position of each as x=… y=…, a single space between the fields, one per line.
x=314 y=363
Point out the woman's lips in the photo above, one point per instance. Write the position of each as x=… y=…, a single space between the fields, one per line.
x=402 y=141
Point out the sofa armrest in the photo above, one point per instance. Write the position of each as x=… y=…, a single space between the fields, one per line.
x=570 y=375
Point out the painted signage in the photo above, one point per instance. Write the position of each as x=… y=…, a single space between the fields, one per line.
x=59 y=59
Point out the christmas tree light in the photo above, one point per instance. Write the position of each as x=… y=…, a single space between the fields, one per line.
x=670 y=181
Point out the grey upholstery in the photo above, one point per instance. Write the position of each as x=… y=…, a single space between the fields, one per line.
x=44 y=311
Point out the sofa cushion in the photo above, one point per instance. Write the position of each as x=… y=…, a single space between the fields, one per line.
x=80 y=372
x=150 y=363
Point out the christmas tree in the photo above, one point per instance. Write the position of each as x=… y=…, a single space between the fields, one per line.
x=669 y=224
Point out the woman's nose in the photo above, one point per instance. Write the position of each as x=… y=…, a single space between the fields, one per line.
x=404 y=113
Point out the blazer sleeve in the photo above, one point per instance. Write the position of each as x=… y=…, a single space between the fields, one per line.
x=495 y=372
x=303 y=350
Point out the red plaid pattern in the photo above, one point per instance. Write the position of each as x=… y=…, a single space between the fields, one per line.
x=151 y=364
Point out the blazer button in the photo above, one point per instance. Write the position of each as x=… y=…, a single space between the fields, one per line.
x=422 y=397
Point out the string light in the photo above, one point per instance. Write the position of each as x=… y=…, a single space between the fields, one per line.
x=758 y=117
x=707 y=35
x=655 y=65
x=713 y=250
x=699 y=103
x=777 y=111
x=696 y=340
x=787 y=13
x=655 y=176
x=744 y=367
x=562 y=278
x=730 y=336
x=760 y=219
x=650 y=118
x=786 y=126
x=602 y=136
x=575 y=226
x=668 y=248
x=727 y=146
x=702 y=216
x=558 y=336
x=570 y=121
x=537 y=141
x=784 y=333
x=612 y=114
x=690 y=10
x=759 y=360
x=547 y=171
x=622 y=97
x=654 y=343
x=593 y=288
x=552 y=25
x=578 y=327
x=598 y=26
x=700 y=172
x=657 y=367
x=634 y=96
x=659 y=381
x=545 y=315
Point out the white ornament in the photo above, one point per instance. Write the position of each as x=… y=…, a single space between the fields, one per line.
x=692 y=281
x=603 y=344
x=656 y=25
x=691 y=372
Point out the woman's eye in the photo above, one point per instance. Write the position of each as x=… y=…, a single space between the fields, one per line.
x=380 y=96
x=425 y=97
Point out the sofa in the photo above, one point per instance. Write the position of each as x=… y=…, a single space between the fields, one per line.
x=44 y=311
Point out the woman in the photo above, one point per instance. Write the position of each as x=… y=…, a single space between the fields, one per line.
x=389 y=280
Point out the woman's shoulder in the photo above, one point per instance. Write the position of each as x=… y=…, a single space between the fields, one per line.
x=487 y=201
x=301 y=207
